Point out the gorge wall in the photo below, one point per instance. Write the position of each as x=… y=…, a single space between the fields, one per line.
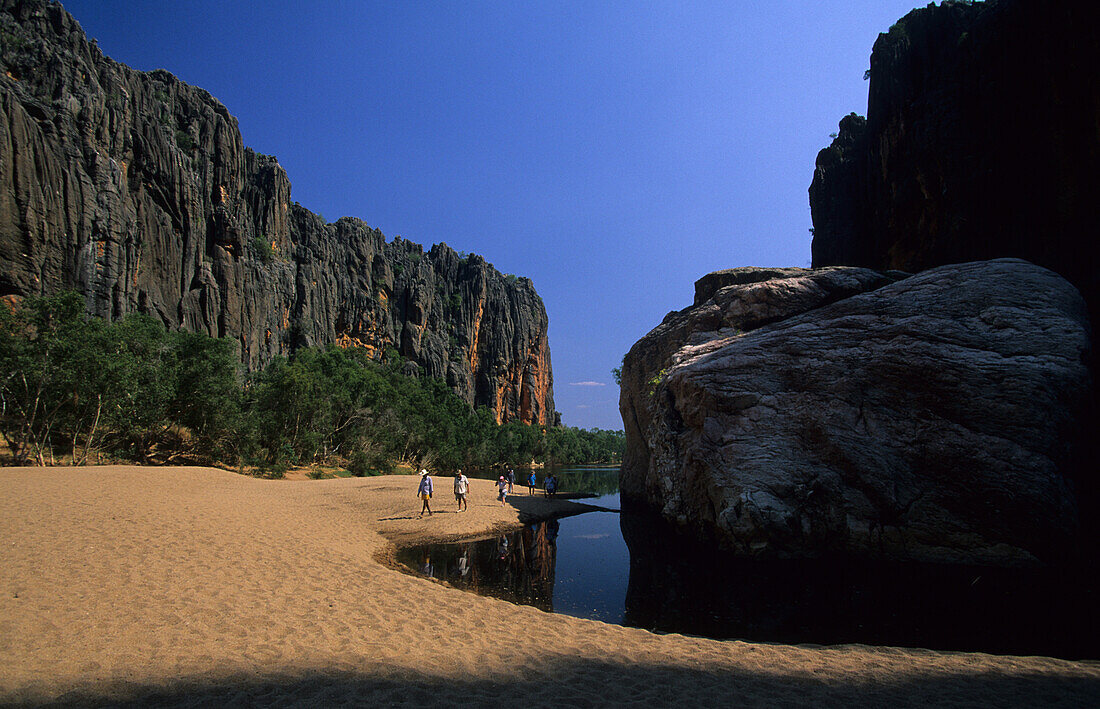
x=982 y=140
x=136 y=190
x=857 y=411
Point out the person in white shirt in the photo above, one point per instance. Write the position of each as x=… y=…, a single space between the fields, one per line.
x=462 y=486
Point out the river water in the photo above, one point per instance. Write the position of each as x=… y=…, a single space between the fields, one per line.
x=576 y=565
x=633 y=570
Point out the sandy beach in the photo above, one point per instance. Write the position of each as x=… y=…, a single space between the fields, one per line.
x=198 y=586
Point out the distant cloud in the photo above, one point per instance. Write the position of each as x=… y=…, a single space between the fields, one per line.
x=587 y=384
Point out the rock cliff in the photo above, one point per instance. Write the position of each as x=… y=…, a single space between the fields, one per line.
x=982 y=140
x=802 y=413
x=136 y=190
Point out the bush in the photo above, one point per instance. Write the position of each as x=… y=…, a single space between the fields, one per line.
x=184 y=141
x=365 y=464
x=263 y=249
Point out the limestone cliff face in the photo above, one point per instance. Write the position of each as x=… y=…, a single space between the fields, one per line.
x=136 y=190
x=982 y=140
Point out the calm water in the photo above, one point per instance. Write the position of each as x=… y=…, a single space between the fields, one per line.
x=576 y=565
x=680 y=585
x=582 y=566
x=591 y=479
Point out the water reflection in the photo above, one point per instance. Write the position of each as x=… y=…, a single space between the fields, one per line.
x=516 y=566
x=580 y=566
x=680 y=585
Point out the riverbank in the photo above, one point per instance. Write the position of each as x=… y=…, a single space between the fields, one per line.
x=186 y=586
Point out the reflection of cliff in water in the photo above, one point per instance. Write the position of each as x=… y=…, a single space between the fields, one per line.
x=516 y=567
x=680 y=585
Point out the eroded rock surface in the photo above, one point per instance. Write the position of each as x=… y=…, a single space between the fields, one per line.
x=136 y=190
x=841 y=411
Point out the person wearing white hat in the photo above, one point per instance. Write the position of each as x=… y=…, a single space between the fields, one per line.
x=424 y=492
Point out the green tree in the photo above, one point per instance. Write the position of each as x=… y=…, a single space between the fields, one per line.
x=137 y=381
x=37 y=339
x=207 y=394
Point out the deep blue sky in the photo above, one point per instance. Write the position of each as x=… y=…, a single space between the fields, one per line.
x=613 y=152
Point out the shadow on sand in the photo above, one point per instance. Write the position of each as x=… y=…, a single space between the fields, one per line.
x=569 y=682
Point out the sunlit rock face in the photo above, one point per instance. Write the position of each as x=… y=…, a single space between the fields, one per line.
x=136 y=190
x=932 y=417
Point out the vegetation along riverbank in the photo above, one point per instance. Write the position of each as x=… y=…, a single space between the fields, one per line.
x=80 y=389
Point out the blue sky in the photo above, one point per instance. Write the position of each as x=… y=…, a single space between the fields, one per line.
x=613 y=152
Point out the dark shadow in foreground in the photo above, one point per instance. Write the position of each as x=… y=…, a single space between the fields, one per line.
x=568 y=682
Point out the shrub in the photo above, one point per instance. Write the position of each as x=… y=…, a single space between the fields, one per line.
x=365 y=463
x=184 y=141
x=263 y=249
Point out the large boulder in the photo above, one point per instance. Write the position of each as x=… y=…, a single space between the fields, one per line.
x=845 y=411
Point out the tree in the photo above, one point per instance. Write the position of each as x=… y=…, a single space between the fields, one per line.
x=207 y=392
x=72 y=384
x=37 y=342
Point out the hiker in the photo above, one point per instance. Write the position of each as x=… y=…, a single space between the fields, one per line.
x=511 y=480
x=502 y=485
x=424 y=492
x=462 y=484
x=551 y=484
x=531 y=483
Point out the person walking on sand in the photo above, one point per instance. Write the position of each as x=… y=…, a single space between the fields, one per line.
x=462 y=485
x=424 y=492
x=502 y=485
x=511 y=480
x=531 y=483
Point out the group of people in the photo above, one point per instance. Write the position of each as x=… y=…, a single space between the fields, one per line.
x=505 y=486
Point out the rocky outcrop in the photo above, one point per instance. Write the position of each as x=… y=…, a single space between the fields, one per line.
x=805 y=413
x=982 y=140
x=136 y=190
x=727 y=304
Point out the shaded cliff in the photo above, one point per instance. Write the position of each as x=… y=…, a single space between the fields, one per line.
x=135 y=189
x=982 y=140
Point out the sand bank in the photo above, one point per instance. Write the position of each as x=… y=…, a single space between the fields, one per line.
x=199 y=586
